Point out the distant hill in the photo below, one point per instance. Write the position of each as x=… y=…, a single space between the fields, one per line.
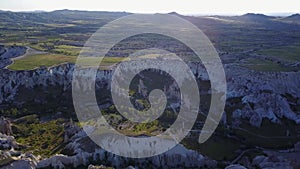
x=174 y=13
x=66 y=21
x=252 y=17
x=292 y=18
x=56 y=17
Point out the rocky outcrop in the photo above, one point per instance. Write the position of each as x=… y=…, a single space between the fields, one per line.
x=60 y=75
x=102 y=167
x=264 y=91
x=70 y=130
x=12 y=159
x=264 y=162
x=5 y=126
x=264 y=94
x=7 y=142
x=25 y=162
x=266 y=105
x=188 y=159
x=297 y=147
x=242 y=82
x=235 y=166
x=86 y=151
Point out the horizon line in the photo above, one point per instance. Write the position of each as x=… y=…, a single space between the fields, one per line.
x=186 y=14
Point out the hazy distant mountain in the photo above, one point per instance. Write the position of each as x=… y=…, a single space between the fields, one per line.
x=59 y=16
x=174 y=13
x=263 y=21
x=292 y=18
x=295 y=16
x=254 y=17
x=88 y=21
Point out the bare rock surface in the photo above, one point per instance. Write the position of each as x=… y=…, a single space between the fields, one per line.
x=264 y=94
x=235 y=166
x=15 y=159
x=264 y=162
x=5 y=126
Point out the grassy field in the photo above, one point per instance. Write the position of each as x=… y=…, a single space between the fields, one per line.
x=284 y=53
x=216 y=147
x=65 y=54
x=270 y=135
x=67 y=50
x=48 y=60
x=35 y=61
x=266 y=66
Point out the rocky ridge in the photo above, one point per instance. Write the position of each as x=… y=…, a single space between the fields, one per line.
x=272 y=95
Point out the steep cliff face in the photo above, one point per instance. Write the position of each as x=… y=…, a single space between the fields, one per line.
x=263 y=95
x=59 y=75
x=86 y=151
x=53 y=76
x=271 y=95
x=242 y=81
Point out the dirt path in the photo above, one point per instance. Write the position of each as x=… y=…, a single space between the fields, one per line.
x=29 y=52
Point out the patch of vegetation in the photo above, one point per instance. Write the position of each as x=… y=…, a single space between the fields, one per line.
x=285 y=53
x=67 y=50
x=37 y=46
x=137 y=129
x=105 y=62
x=35 y=61
x=127 y=127
x=48 y=60
x=269 y=135
x=13 y=112
x=43 y=101
x=216 y=147
x=6 y=161
x=40 y=138
x=266 y=66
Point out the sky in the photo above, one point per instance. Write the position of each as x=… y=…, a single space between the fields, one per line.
x=228 y=7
